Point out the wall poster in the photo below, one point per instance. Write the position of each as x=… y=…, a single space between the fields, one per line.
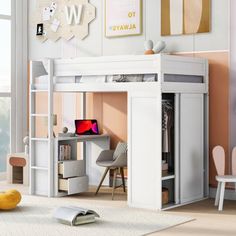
x=185 y=17
x=123 y=18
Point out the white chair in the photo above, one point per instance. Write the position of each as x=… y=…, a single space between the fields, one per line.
x=219 y=160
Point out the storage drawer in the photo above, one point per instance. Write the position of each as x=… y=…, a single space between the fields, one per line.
x=74 y=185
x=71 y=168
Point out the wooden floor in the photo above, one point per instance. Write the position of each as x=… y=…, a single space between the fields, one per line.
x=208 y=221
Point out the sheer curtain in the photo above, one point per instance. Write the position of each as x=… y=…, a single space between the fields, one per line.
x=5 y=81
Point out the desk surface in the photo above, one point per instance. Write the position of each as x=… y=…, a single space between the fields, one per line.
x=83 y=137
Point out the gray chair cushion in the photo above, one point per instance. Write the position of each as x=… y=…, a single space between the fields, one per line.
x=120 y=148
x=105 y=155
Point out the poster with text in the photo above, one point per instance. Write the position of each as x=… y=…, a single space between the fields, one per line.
x=123 y=18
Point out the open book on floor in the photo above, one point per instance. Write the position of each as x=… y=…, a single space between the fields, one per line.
x=74 y=215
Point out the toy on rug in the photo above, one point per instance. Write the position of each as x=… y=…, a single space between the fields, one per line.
x=150 y=49
x=9 y=199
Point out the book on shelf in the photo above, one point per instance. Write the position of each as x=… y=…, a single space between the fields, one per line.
x=74 y=215
x=64 y=152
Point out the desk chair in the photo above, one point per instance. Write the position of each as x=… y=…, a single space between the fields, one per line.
x=219 y=161
x=113 y=160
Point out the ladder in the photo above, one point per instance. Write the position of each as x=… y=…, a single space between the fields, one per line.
x=41 y=149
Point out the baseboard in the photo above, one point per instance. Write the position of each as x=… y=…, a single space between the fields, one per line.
x=230 y=194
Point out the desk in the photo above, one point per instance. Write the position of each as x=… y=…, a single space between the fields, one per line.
x=92 y=146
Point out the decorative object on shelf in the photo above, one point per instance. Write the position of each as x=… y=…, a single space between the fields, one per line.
x=54 y=122
x=185 y=17
x=123 y=18
x=65 y=130
x=26 y=143
x=65 y=133
x=165 y=196
x=148 y=46
x=150 y=49
x=9 y=199
x=63 y=19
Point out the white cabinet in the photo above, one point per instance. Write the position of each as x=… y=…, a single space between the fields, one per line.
x=191 y=147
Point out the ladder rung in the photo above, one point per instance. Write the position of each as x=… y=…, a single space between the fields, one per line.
x=40 y=115
x=39 y=168
x=38 y=90
x=39 y=139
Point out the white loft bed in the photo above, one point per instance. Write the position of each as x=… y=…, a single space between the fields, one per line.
x=186 y=78
x=120 y=65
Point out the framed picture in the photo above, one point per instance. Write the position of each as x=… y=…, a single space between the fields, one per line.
x=185 y=17
x=123 y=18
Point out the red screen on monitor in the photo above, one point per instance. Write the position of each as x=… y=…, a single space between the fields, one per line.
x=86 y=127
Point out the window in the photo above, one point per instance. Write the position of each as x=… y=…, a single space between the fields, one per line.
x=5 y=56
x=6 y=46
x=4 y=131
x=5 y=8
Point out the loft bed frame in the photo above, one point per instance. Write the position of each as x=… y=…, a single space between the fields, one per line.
x=174 y=74
x=162 y=65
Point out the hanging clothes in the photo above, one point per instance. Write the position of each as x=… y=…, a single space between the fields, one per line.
x=167 y=123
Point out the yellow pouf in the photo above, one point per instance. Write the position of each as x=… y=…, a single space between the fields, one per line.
x=9 y=199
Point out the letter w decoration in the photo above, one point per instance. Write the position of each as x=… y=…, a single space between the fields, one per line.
x=73 y=12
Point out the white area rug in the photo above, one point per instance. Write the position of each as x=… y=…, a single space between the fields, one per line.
x=34 y=217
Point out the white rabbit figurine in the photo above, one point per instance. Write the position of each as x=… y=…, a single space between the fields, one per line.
x=150 y=49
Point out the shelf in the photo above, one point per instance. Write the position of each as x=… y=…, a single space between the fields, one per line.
x=167 y=176
x=80 y=138
x=39 y=168
x=69 y=160
x=169 y=205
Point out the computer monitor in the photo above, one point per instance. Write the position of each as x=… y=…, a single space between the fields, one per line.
x=86 y=127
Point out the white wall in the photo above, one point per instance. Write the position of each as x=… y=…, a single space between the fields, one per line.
x=96 y=44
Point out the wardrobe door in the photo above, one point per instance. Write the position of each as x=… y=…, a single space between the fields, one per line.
x=144 y=151
x=191 y=147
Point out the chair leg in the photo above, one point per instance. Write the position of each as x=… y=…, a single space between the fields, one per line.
x=123 y=177
x=222 y=192
x=217 y=194
x=114 y=183
x=103 y=177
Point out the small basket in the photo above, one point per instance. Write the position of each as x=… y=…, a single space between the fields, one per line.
x=165 y=196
